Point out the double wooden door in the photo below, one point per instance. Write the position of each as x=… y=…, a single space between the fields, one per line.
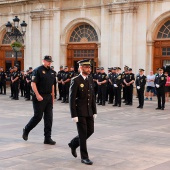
x=161 y=54
x=76 y=52
x=8 y=58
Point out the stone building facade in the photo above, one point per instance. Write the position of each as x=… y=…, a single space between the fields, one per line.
x=110 y=32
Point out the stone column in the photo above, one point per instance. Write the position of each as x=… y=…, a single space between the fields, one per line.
x=56 y=40
x=36 y=42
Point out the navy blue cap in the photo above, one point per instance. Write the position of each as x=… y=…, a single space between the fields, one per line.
x=48 y=58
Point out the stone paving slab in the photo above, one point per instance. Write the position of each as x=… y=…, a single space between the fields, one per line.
x=125 y=138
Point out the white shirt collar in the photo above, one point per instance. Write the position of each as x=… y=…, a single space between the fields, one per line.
x=84 y=77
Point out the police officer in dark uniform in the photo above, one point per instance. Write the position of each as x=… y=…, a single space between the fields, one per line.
x=102 y=84
x=43 y=98
x=140 y=85
x=83 y=109
x=15 y=83
x=66 y=77
x=160 y=81
x=129 y=79
x=28 y=84
x=72 y=72
x=117 y=84
x=110 y=86
x=22 y=83
x=123 y=85
x=55 y=81
x=59 y=78
x=11 y=85
x=3 y=77
x=112 y=79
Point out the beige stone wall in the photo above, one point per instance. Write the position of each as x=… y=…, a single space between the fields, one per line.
x=126 y=29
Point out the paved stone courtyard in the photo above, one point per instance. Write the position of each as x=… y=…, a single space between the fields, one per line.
x=125 y=138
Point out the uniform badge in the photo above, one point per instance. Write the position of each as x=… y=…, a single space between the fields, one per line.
x=81 y=85
x=141 y=80
x=33 y=77
x=162 y=78
x=43 y=72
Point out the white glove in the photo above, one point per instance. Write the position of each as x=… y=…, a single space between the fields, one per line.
x=157 y=85
x=95 y=116
x=138 y=87
x=115 y=85
x=75 y=119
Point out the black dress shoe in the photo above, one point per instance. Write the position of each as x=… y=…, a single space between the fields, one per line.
x=49 y=141
x=25 y=135
x=73 y=150
x=99 y=103
x=110 y=102
x=127 y=104
x=158 y=108
x=115 y=105
x=87 y=161
x=162 y=108
x=138 y=107
x=59 y=99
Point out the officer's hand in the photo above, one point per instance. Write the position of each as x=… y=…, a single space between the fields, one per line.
x=75 y=119
x=157 y=85
x=115 y=85
x=95 y=116
x=39 y=98
x=138 y=87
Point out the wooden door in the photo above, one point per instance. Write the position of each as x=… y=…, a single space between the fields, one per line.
x=161 y=54
x=76 y=52
x=8 y=58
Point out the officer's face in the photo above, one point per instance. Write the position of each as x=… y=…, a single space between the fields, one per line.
x=47 y=63
x=85 y=69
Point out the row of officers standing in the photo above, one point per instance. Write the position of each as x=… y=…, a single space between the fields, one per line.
x=107 y=87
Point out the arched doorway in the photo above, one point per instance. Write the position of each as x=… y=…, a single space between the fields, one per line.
x=162 y=46
x=7 y=55
x=82 y=45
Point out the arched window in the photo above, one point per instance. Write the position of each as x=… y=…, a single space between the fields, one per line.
x=84 y=33
x=7 y=38
x=164 y=32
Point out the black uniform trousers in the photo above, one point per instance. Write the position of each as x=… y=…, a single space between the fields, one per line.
x=161 y=97
x=85 y=127
x=65 y=91
x=129 y=94
x=3 y=86
x=41 y=108
x=22 y=88
x=118 y=95
x=102 y=93
x=60 y=90
x=15 y=89
x=110 y=91
x=28 y=90
x=141 y=96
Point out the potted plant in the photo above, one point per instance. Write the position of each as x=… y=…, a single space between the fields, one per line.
x=16 y=46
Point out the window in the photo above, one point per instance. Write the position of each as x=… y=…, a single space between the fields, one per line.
x=84 y=33
x=11 y=54
x=7 y=39
x=84 y=53
x=164 y=32
x=166 y=51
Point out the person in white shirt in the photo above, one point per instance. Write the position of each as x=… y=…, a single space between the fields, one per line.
x=150 y=86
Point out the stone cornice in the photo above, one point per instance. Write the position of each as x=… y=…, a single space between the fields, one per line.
x=41 y=14
x=123 y=8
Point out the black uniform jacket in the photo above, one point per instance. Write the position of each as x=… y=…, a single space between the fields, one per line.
x=141 y=81
x=81 y=97
x=161 y=80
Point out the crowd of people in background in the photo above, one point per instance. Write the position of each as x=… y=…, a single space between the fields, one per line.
x=110 y=87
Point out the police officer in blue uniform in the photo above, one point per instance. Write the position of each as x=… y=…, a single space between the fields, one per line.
x=160 y=81
x=43 y=98
x=140 y=85
x=83 y=109
x=102 y=86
